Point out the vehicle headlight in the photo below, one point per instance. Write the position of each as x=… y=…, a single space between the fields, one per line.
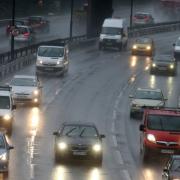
x=153 y=65
x=148 y=47
x=62 y=145
x=36 y=92
x=176 y=179
x=134 y=105
x=172 y=66
x=39 y=61
x=3 y=157
x=134 y=47
x=59 y=62
x=97 y=148
x=7 y=117
x=151 y=138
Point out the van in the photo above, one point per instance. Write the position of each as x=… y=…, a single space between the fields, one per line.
x=52 y=60
x=114 y=33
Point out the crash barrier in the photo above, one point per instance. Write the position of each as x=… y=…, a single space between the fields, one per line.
x=23 y=56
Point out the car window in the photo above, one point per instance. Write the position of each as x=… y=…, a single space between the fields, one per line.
x=23 y=82
x=4 y=102
x=154 y=95
x=51 y=51
x=112 y=30
x=2 y=142
x=82 y=131
x=163 y=122
x=176 y=165
x=143 y=41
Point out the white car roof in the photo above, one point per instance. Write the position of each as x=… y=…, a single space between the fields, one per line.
x=25 y=76
x=149 y=89
x=53 y=46
x=113 y=22
x=21 y=26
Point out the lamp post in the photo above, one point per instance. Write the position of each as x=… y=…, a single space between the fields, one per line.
x=71 y=20
x=13 y=25
x=131 y=13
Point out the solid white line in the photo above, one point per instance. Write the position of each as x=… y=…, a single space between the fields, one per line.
x=113 y=127
x=114 y=116
x=32 y=171
x=126 y=175
x=119 y=157
x=114 y=141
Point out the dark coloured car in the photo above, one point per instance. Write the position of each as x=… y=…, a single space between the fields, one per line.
x=164 y=63
x=4 y=154
x=142 y=18
x=76 y=140
x=172 y=169
x=38 y=23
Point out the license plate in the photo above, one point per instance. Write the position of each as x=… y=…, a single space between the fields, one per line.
x=22 y=97
x=167 y=151
x=48 y=69
x=79 y=153
x=162 y=68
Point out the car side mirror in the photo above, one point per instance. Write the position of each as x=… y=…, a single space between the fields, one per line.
x=10 y=147
x=142 y=127
x=102 y=136
x=131 y=96
x=13 y=106
x=55 y=133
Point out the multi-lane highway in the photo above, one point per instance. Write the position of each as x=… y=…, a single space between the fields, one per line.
x=96 y=89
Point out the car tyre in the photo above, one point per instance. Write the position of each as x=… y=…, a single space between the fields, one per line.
x=131 y=115
x=145 y=155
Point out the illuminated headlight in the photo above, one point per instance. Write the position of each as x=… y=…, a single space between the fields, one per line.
x=134 y=47
x=62 y=146
x=97 y=148
x=148 y=47
x=176 y=179
x=59 y=62
x=39 y=61
x=7 y=117
x=36 y=92
x=35 y=100
x=172 y=66
x=153 y=65
x=3 y=157
x=151 y=138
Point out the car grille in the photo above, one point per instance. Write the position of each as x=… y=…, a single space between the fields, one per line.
x=79 y=148
x=167 y=144
x=49 y=64
x=109 y=40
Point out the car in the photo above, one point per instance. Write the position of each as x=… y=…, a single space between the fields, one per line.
x=26 y=89
x=160 y=133
x=172 y=169
x=142 y=18
x=38 y=23
x=7 y=107
x=176 y=49
x=164 y=63
x=52 y=60
x=144 y=98
x=16 y=23
x=78 y=140
x=4 y=154
x=23 y=34
x=143 y=46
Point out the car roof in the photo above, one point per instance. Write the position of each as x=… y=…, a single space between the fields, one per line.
x=143 y=13
x=79 y=123
x=149 y=89
x=25 y=76
x=52 y=46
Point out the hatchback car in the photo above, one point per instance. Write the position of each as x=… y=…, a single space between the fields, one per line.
x=164 y=63
x=172 y=169
x=26 y=89
x=143 y=46
x=4 y=154
x=141 y=18
x=23 y=34
x=144 y=98
x=160 y=133
x=78 y=140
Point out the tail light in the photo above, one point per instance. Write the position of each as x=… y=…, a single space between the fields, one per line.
x=26 y=34
x=146 y=18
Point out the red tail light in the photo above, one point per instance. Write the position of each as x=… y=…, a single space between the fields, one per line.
x=26 y=34
x=146 y=18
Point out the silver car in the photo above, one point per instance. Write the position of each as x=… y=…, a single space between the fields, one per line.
x=142 y=18
x=26 y=89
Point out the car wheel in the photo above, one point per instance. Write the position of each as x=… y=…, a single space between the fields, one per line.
x=131 y=114
x=145 y=155
x=120 y=47
x=100 y=47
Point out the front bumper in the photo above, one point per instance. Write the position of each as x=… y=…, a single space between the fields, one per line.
x=110 y=43
x=4 y=166
x=142 y=51
x=163 y=69
x=26 y=99
x=50 y=69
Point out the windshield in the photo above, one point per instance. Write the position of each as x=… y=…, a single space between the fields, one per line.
x=164 y=122
x=154 y=95
x=4 y=102
x=112 y=30
x=143 y=41
x=51 y=51
x=24 y=82
x=82 y=131
x=164 y=59
x=176 y=165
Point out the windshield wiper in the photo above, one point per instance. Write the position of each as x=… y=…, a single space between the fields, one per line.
x=67 y=134
x=82 y=132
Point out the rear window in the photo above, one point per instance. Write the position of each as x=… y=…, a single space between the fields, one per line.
x=163 y=123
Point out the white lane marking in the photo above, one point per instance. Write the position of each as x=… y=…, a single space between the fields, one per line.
x=126 y=175
x=114 y=141
x=32 y=171
x=113 y=127
x=114 y=116
x=119 y=157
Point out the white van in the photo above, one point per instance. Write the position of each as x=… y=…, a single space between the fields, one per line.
x=114 y=33
x=52 y=60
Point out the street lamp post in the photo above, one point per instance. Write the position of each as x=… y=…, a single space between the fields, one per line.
x=71 y=20
x=131 y=13
x=13 y=25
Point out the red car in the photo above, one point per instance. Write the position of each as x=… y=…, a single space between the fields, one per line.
x=160 y=132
